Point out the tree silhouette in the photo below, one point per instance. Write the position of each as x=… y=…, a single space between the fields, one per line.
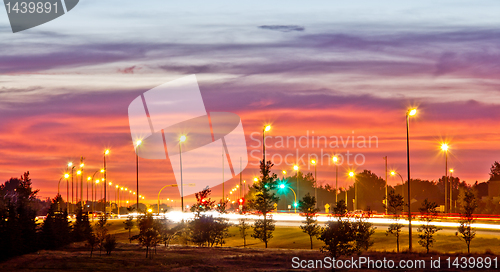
x=17 y=217
x=55 y=230
x=465 y=230
x=308 y=210
x=263 y=203
x=395 y=204
x=427 y=230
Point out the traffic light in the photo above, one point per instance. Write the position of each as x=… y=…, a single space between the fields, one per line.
x=241 y=201
x=295 y=204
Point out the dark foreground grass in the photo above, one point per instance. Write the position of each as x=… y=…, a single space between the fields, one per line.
x=294 y=238
x=287 y=243
x=130 y=257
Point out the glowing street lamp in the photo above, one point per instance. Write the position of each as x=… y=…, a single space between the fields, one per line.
x=296 y=168
x=410 y=112
x=264 y=130
x=283 y=186
x=351 y=174
x=106 y=152
x=81 y=180
x=137 y=144
x=444 y=148
x=66 y=176
x=451 y=190
x=70 y=164
x=335 y=160
x=316 y=183
x=181 y=140
x=394 y=173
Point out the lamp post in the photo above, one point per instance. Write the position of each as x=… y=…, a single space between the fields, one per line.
x=282 y=186
x=266 y=128
x=444 y=148
x=409 y=113
x=81 y=178
x=88 y=179
x=181 y=140
x=137 y=144
x=78 y=174
x=105 y=179
x=92 y=192
x=393 y=173
x=117 y=187
x=120 y=196
x=58 y=184
x=95 y=191
x=351 y=174
x=335 y=160
x=72 y=183
x=66 y=176
x=315 y=184
x=386 y=200
x=451 y=190
x=296 y=168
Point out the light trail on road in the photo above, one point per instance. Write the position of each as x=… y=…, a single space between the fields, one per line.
x=294 y=218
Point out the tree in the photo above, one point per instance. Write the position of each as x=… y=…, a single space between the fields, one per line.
x=263 y=203
x=129 y=225
x=109 y=243
x=465 y=229
x=395 y=204
x=427 y=230
x=495 y=171
x=55 y=231
x=101 y=231
x=81 y=226
x=17 y=217
x=308 y=210
x=203 y=202
x=206 y=230
x=339 y=235
x=344 y=237
x=363 y=232
x=167 y=232
x=243 y=227
x=148 y=234
x=92 y=242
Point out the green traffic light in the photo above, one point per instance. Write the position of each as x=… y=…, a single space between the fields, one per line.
x=282 y=186
x=295 y=204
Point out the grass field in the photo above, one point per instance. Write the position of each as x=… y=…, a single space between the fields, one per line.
x=288 y=242
x=294 y=238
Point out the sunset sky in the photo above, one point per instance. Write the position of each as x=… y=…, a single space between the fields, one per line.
x=326 y=69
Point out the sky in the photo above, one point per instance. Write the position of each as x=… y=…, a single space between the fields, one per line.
x=323 y=68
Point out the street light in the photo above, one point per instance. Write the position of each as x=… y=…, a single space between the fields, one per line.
x=409 y=113
x=451 y=190
x=393 y=173
x=266 y=128
x=444 y=148
x=81 y=180
x=335 y=159
x=351 y=174
x=283 y=186
x=72 y=183
x=181 y=140
x=106 y=152
x=137 y=144
x=316 y=184
x=78 y=174
x=296 y=168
